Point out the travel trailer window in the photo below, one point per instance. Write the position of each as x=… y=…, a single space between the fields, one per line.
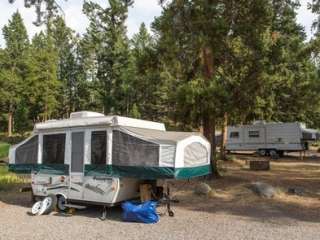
x=234 y=135
x=53 y=148
x=98 y=147
x=254 y=134
x=27 y=153
x=128 y=150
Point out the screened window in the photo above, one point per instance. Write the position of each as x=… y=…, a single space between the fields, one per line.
x=77 y=151
x=53 y=148
x=27 y=153
x=195 y=154
x=98 y=147
x=128 y=150
x=234 y=135
x=254 y=134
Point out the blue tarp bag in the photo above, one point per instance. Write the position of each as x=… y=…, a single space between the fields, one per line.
x=142 y=213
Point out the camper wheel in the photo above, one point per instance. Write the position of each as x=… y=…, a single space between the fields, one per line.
x=262 y=152
x=280 y=153
x=274 y=154
x=61 y=203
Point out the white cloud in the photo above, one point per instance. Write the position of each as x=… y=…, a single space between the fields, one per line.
x=142 y=11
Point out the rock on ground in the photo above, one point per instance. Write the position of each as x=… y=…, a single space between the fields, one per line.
x=263 y=189
x=202 y=189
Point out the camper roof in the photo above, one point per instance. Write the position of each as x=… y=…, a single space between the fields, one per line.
x=158 y=136
x=86 y=118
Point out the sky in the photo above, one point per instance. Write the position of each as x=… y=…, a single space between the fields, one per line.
x=142 y=11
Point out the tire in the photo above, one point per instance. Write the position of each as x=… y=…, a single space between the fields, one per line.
x=47 y=205
x=36 y=208
x=280 y=153
x=171 y=213
x=61 y=201
x=274 y=154
x=262 y=152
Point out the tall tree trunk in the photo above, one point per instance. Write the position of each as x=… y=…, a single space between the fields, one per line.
x=209 y=126
x=10 y=121
x=209 y=120
x=224 y=136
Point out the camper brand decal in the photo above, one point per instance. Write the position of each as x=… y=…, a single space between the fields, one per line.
x=58 y=187
x=95 y=189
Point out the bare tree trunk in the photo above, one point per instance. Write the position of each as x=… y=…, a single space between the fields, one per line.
x=209 y=120
x=45 y=117
x=10 y=120
x=209 y=130
x=224 y=136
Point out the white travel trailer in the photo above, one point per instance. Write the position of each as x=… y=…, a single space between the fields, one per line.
x=270 y=138
x=101 y=159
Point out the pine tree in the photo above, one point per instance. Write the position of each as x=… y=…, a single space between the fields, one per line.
x=196 y=41
x=291 y=90
x=149 y=93
x=42 y=78
x=109 y=47
x=66 y=44
x=13 y=67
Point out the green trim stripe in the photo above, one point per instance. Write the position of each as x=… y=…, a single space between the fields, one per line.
x=117 y=171
x=147 y=172
x=54 y=169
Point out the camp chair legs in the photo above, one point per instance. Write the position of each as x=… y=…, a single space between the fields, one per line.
x=104 y=214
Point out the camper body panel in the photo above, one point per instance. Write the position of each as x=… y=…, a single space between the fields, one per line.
x=96 y=190
x=278 y=136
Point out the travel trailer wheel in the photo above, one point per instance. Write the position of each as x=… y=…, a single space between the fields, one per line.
x=274 y=154
x=262 y=152
x=61 y=203
x=281 y=153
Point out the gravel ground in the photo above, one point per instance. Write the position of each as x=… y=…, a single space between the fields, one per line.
x=15 y=223
x=231 y=212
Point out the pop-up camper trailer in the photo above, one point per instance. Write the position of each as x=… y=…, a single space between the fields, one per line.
x=270 y=138
x=102 y=159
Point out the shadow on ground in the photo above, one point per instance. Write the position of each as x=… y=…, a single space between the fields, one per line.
x=231 y=195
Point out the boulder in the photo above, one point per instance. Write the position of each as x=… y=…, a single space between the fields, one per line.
x=299 y=191
x=202 y=189
x=263 y=189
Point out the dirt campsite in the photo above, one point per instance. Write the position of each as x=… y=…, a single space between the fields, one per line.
x=231 y=210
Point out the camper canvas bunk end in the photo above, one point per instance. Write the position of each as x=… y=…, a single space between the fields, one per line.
x=270 y=138
x=103 y=159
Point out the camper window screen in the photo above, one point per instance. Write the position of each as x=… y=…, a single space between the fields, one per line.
x=98 y=147
x=27 y=153
x=128 y=150
x=53 y=148
x=234 y=135
x=253 y=134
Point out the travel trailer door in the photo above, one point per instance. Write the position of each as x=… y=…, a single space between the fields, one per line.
x=77 y=163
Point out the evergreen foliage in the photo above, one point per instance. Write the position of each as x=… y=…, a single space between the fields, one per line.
x=206 y=64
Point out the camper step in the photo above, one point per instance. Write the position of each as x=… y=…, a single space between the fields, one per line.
x=75 y=206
